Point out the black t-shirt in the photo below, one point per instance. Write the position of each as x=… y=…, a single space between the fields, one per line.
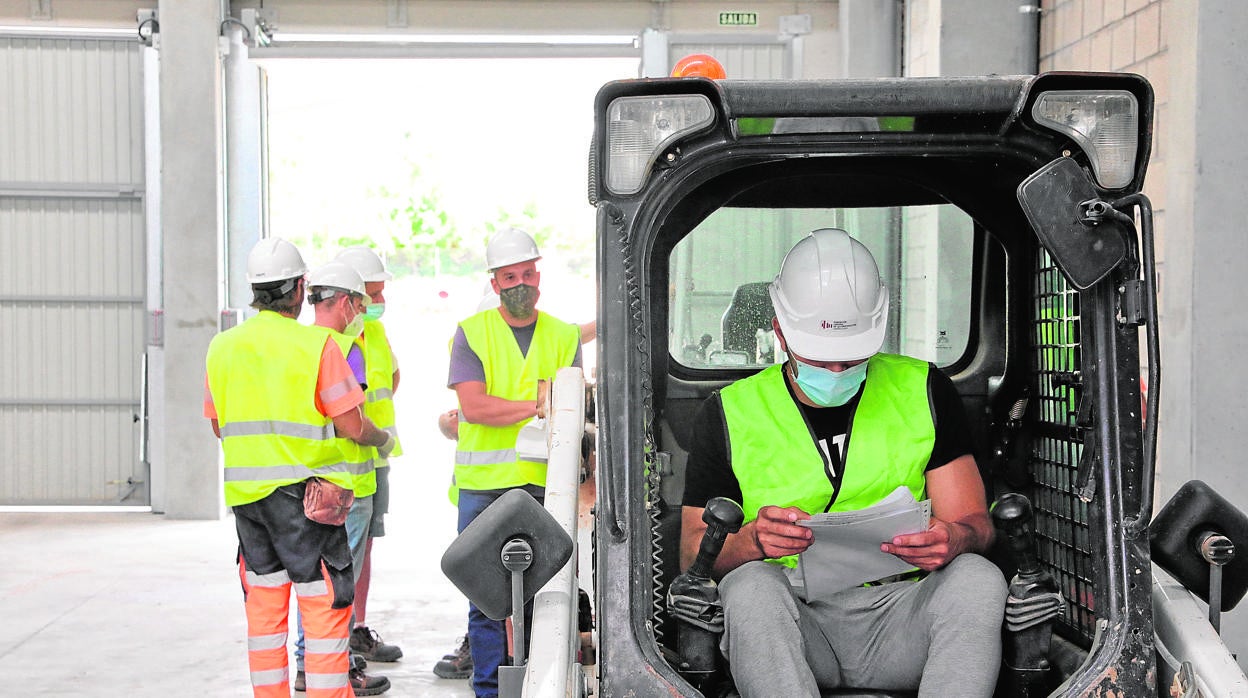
x=709 y=474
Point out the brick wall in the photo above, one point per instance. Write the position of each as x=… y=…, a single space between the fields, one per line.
x=1115 y=35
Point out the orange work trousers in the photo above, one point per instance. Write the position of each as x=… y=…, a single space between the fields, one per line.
x=326 y=628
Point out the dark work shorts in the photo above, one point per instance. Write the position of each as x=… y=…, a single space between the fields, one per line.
x=273 y=535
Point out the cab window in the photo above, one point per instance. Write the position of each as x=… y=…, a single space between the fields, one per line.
x=718 y=276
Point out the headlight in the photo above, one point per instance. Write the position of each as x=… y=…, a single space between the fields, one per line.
x=1103 y=124
x=639 y=128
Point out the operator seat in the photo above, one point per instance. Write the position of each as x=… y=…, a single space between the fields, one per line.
x=749 y=311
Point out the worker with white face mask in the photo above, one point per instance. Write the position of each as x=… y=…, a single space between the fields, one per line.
x=840 y=426
x=381 y=380
x=338 y=297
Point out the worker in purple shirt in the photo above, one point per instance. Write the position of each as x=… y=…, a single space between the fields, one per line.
x=498 y=357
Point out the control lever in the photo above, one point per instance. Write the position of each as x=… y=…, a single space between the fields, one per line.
x=1217 y=550
x=517 y=557
x=1033 y=602
x=693 y=597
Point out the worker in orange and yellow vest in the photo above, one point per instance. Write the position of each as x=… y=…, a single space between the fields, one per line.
x=282 y=399
x=336 y=293
x=381 y=370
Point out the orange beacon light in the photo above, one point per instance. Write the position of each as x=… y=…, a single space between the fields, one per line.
x=698 y=65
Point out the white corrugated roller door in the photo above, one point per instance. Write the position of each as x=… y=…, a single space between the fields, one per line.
x=71 y=270
x=762 y=59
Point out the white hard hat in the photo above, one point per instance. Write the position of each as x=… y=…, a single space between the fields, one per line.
x=274 y=259
x=335 y=276
x=366 y=262
x=510 y=246
x=829 y=299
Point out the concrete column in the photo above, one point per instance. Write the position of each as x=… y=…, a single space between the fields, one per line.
x=971 y=37
x=869 y=35
x=246 y=174
x=1204 y=321
x=190 y=210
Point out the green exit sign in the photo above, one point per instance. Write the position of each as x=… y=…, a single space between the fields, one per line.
x=738 y=19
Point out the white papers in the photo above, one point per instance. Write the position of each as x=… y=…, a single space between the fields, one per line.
x=846 y=549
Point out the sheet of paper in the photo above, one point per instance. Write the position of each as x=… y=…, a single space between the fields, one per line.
x=846 y=548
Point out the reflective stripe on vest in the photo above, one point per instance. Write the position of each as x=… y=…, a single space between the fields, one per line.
x=485 y=456
x=778 y=463
x=379 y=374
x=269 y=426
x=262 y=375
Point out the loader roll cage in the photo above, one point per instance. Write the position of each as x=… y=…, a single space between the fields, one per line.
x=699 y=185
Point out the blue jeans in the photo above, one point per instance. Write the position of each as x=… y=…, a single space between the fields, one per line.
x=486 y=638
x=358 y=520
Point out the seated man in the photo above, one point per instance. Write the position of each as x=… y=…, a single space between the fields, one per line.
x=838 y=427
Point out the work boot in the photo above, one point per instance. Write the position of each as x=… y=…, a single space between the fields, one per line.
x=368 y=645
x=364 y=685
x=301 y=681
x=457 y=665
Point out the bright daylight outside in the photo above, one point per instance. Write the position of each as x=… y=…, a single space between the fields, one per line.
x=424 y=160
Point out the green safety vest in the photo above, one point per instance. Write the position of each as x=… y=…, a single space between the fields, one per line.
x=360 y=459
x=778 y=463
x=485 y=457
x=262 y=376
x=379 y=372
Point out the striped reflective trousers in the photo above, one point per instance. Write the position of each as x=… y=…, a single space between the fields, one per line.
x=327 y=630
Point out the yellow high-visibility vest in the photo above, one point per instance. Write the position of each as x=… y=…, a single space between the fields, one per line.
x=379 y=372
x=778 y=463
x=485 y=457
x=262 y=375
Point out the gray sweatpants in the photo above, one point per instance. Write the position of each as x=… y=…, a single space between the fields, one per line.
x=941 y=635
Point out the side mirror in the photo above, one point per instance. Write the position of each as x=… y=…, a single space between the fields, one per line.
x=1053 y=198
x=1176 y=535
x=474 y=561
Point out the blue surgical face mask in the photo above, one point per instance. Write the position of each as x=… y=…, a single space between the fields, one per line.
x=828 y=388
x=374 y=311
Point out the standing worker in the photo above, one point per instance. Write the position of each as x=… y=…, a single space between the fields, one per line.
x=336 y=293
x=381 y=382
x=498 y=356
x=282 y=400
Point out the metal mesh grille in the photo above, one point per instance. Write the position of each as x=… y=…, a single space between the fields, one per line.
x=1061 y=517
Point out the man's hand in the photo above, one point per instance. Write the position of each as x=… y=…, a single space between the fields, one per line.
x=385 y=449
x=448 y=424
x=933 y=548
x=543 y=398
x=777 y=534
x=960 y=522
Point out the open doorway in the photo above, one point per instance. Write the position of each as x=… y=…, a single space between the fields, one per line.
x=424 y=158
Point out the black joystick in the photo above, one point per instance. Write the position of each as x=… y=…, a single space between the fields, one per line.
x=1032 y=605
x=693 y=597
x=1013 y=516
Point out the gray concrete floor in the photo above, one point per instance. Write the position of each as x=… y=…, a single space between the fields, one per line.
x=133 y=604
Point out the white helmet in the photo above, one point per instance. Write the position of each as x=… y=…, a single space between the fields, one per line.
x=829 y=299
x=366 y=262
x=335 y=277
x=510 y=246
x=274 y=259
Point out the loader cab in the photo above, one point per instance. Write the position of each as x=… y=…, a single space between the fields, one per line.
x=702 y=186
